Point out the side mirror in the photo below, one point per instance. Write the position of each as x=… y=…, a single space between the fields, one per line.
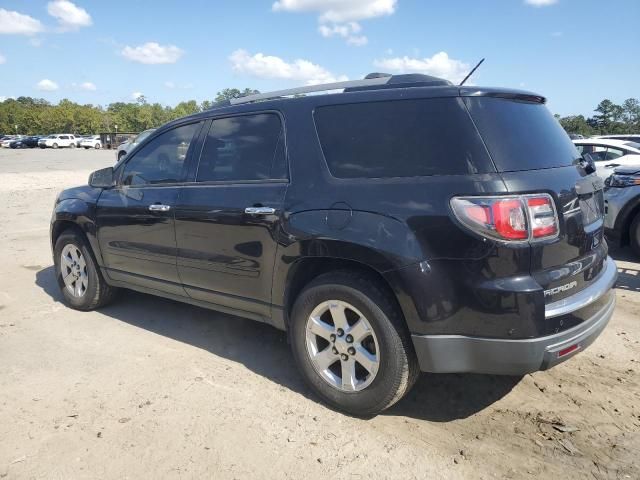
x=102 y=178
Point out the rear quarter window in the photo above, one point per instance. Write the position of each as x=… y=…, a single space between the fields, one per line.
x=521 y=135
x=401 y=138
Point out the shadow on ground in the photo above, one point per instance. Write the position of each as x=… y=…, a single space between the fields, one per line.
x=264 y=350
x=628 y=276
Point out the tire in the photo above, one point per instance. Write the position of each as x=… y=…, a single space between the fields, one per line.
x=85 y=289
x=55 y=145
x=121 y=154
x=86 y=148
x=634 y=235
x=98 y=146
x=72 y=145
x=388 y=342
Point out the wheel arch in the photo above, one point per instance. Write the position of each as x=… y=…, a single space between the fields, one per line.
x=625 y=219
x=77 y=215
x=304 y=270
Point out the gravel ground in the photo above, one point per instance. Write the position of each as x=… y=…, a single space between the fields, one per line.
x=150 y=388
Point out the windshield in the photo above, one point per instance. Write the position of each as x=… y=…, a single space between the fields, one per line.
x=521 y=135
x=633 y=145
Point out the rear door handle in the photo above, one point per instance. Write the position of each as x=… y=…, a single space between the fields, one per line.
x=260 y=210
x=158 y=207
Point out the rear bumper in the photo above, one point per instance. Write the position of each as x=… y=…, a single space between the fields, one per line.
x=458 y=353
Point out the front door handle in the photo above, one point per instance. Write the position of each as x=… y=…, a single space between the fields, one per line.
x=158 y=207
x=260 y=210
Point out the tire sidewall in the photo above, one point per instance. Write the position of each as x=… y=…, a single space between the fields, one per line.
x=84 y=302
x=634 y=235
x=370 y=399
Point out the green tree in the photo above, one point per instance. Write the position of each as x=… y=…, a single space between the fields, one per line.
x=229 y=93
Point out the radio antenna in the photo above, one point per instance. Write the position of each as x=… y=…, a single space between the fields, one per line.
x=471 y=73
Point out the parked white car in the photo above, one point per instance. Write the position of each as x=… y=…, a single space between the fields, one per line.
x=7 y=140
x=608 y=154
x=92 y=141
x=126 y=147
x=58 y=140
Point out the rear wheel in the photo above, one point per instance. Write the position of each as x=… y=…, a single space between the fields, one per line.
x=72 y=145
x=351 y=345
x=634 y=234
x=98 y=146
x=121 y=154
x=55 y=145
x=77 y=274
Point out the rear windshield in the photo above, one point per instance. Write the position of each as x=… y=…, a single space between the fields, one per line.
x=521 y=135
x=400 y=138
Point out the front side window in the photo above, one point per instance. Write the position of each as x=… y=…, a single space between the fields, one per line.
x=244 y=148
x=161 y=160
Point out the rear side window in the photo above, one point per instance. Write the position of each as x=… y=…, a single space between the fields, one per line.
x=243 y=148
x=521 y=135
x=402 y=138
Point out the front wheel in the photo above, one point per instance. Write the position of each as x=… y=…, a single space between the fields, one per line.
x=55 y=145
x=98 y=146
x=72 y=145
x=351 y=345
x=77 y=273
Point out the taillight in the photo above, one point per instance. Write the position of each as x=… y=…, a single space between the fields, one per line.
x=512 y=218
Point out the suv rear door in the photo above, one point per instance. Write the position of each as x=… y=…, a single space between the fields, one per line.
x=228 y=216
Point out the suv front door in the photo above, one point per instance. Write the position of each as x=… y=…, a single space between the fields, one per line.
x=136 y=227
x=228 y=217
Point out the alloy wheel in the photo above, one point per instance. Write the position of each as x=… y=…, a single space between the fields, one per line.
x=73 y=269
x=342 y=346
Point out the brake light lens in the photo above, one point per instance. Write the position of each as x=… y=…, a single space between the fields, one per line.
x=515 y=218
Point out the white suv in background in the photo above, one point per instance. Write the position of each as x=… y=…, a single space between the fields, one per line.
x=58 y=140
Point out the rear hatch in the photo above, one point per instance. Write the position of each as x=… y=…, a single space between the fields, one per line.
x=534 y=155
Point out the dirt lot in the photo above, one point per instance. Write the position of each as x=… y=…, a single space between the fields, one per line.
x=149 y=388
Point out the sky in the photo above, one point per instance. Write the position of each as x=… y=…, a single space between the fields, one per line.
x=574 y=52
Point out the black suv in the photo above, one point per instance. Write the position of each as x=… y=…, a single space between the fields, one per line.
x=405 y=224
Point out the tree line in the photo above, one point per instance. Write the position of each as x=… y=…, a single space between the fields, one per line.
x=610 y=118
x=30 y=116
x=37 y=116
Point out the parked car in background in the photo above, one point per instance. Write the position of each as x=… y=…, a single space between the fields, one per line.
x=91 y=141
x=6 y=142
x=607 y=154
x=628 y=137
x=575 y=136
x=622 y=206
x=404 y=224
x=58 y=140
x=126 y=147
x=25 y=142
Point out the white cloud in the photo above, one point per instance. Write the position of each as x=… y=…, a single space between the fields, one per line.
x=17 y=23
x=3 y=59
x=169 y=84
x=540 y=3
x=357 y=40
x=339 y=17
x=339 y=11
x=268 y=66
x=152 y=53
x=88 y=86
x=347 y=31
x=47 y=85
x=69 y=15
x=136 y=95
x=439 y=65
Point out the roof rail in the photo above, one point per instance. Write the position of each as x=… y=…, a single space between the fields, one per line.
x=310 y=89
